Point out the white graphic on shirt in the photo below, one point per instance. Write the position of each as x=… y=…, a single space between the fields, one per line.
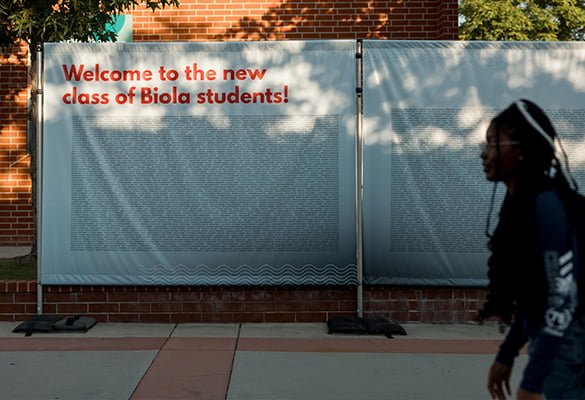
x=563 y=294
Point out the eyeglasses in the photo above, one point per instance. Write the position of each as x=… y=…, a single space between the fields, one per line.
x=485 y=147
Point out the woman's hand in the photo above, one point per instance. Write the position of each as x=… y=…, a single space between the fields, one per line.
x=526 y=395
x=499 y=380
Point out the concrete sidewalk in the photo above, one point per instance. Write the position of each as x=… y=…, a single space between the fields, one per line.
x=247 y=362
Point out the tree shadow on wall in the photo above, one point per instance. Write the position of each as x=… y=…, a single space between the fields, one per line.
x=15 y=196
x=308 y=19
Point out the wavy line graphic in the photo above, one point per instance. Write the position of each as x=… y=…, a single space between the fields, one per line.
x=247 y=275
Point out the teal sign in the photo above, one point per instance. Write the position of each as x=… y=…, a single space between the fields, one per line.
x=122 y=27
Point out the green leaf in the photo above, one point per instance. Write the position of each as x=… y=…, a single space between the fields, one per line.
x=59 y=20
x=522 y=20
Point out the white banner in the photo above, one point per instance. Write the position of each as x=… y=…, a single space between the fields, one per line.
x=199 y=163
x=426 y=108
x=234 y=163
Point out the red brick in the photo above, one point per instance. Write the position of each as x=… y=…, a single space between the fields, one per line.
x=72 y=308
x=123 y=318
x=323 y=306
x=93 y=297
x=198 y=307
x=249 y=317
x=153 y=297
x=405 y=293
x=12 y=308
x=9 y=298
x=122 y=297
x=185 y=317
x=228 y=307
x=260 y=295
x=134 y=307
x=347 y=306
x=280 y=317
x=224 y=296
x=377 y=294
x=164 y=318
x=47 y=309
x=185 y=296
x=166 y=307
x=413 y=316
x=260 y=307
x=293 y=306
x=60 y=297
x=227 y=317
x=311 y=317
x=10 y=287
x=24 y=298
x=104 y=308
x=402 y=316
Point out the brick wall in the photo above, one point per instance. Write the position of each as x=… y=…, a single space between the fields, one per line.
x=299 y=20
x=239 y=304
x=16 y=219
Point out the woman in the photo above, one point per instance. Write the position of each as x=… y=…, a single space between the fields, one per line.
x=531 y=271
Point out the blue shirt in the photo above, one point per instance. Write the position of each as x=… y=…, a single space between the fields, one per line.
x=554 y=244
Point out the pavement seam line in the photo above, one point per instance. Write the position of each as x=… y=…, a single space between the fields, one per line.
x=162 y=346
x=233 y=360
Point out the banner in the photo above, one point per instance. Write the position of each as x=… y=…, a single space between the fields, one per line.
x=235 y=163
x=427 y=106
x=199 y=163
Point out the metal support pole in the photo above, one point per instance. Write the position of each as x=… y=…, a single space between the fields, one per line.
x=38 y=123
x=359 y=178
